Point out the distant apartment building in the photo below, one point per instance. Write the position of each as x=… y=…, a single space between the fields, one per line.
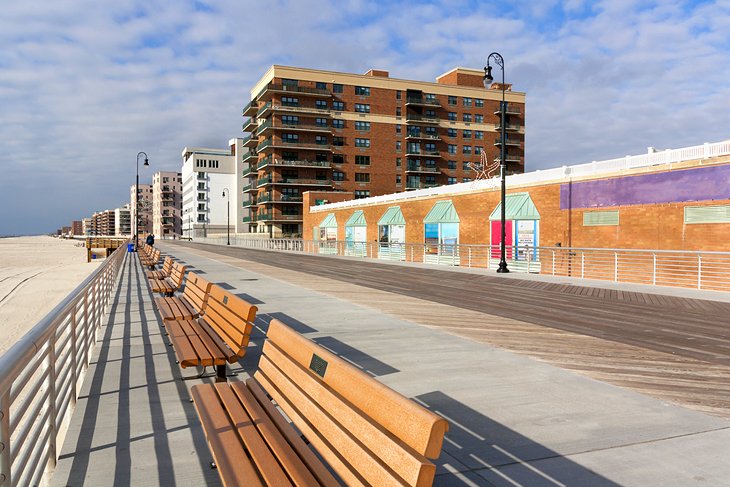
x=167 y=205
x=77 y=228
x=206 y=174
x=145 y=208
x=368 y=134
x=103 y=223
x=86 y=226
x=123 y=221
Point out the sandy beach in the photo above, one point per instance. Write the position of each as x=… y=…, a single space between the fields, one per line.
x=36 y=273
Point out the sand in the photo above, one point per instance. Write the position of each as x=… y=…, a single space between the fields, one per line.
x=36 y=273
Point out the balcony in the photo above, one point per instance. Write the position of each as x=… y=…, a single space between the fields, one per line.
x=263 y=145
x=420 y=101
x=249 y=188
x=278 y=217
x=249 y=125
x=415 y=168
x=250 y=109
x=509 y=158
x=290 y=144
x=411 y=118
x=412 y=186
x=511 y=110
x=248 y=219
x=271 y=198
x=248 y=172
x=508 y=142
x=250 y=156
x=300 y=127
x=249 y=203
x=272 y=88
x=269 y=106
x=510 y=127
x=263 y=181
x=422 y=136
x=412 y=152
x=296 y=163
x=251 y=141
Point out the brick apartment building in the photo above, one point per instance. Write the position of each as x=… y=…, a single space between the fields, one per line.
x=77 y=228
x=145 y=208
x=167 y=205
x=369 y=135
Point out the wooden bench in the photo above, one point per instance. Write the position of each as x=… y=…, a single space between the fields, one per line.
x=218 y=337
x=367 y=433
x=169 y=285
x=190 y=304
x=150 y=259
x=164 y=272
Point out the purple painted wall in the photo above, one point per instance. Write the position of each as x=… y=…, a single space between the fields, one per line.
x=699 y=184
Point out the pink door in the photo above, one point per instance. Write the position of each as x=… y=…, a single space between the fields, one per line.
x=497 y=236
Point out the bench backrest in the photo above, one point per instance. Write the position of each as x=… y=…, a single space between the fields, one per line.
x=167 y=265
x=177 y=275
x=230 y=317
x=196 y=291
x=367 y=432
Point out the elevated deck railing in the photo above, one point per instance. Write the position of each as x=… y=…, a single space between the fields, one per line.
x=677 y=268
x=41 y=375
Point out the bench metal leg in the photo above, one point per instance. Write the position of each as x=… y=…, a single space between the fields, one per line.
x=220 y=373
x=201 y=375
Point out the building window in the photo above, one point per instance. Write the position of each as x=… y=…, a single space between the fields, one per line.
x=201 y=185
x=338 y=141
x=201 y=196
x=452 y=149
x=466 y=149
x=431 y=131
x=289 y=101
x=451 y=180
x=338 y=159
x=361 y=193
x=290 y=120
x=321 y=86
x=398 y=95
x=397 y=162
x=452 y=133
x=362 y=125
x=320 y=140
x=397 y=146
x=478 y=102
x=707 y=214
x=397 y=179
x=479 y=135
x=289 y=156
x=398 y=128
x=362 y=107
x=362 y=91
x=290 y=138
x=465 y=166
x=362 y=160
x=362 y=177
x=321 y=104
x=452 y=116
x=452 y=100
x=466 y=134
x=429 y=147
x=478 y=118
x=338 y=124
x=201 y=206
x=362 y=142
x=452 y=164
x=467 y=102
x=467 y=117
x=337 y=88
x=338 y=176
x=600 y=218
x=398 y=112
x=477 y=150
x=320 y=122
x=466 y=180
x=338 y=106
x=289 y=82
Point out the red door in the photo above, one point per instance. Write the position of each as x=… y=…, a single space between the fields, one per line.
x=497 y=236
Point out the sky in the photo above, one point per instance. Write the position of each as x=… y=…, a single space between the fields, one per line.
x=85 y=85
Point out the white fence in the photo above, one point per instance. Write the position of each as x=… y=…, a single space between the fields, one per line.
x=40 y=377
x=699 y=270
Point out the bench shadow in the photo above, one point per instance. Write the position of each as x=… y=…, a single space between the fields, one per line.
x=291 y=322
x=367 y=363
x=250 y=299
x=224 y=285
x=478 y=450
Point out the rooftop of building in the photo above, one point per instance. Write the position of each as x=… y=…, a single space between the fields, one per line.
x=652 y=160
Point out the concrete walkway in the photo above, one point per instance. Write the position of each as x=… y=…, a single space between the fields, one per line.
x=514 y=420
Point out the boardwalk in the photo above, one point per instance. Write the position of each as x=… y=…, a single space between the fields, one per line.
x=514 y=420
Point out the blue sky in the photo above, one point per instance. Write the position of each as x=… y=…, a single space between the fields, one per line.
x=85 y=85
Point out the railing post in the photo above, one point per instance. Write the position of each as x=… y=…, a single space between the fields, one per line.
x=469 y=256
x=74 y=358
x=5 y=439
x=699 y=271
x=582 y=265
x=528 y=258
x=52 y=453
x=553 y=263
x=615 y=266
x=653 y=271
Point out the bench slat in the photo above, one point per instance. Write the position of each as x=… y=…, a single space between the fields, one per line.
x=214 y=344
x=314 y=464
x=249 y=435
x=378 y=441
x=231 y=460
x=189 y=348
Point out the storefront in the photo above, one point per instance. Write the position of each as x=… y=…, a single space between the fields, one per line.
x=522 y=229
x=392 y=234
x=356 y=235
x=327 y=232
x=441 y=232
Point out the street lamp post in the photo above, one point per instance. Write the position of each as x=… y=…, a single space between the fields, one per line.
x=136 y=200
x=228 y=214
x=488 y=79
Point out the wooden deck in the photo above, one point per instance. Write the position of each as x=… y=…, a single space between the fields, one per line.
x=673 y=348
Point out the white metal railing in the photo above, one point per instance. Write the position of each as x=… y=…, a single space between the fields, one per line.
x=688 y=269
x=651 y=158
x=40 y=377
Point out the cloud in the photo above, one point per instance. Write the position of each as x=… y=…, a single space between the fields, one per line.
x=85 y=85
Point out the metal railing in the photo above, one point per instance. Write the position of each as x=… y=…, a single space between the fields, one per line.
x=675 y=268
x=41 y=375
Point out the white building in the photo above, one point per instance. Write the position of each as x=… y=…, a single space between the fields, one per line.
x=167 y=205
x=206 y=174
x=122 y=221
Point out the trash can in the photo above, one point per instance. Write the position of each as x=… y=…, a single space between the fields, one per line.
x=130 y=247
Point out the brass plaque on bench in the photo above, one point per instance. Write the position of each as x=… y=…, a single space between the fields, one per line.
x=318 y=365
